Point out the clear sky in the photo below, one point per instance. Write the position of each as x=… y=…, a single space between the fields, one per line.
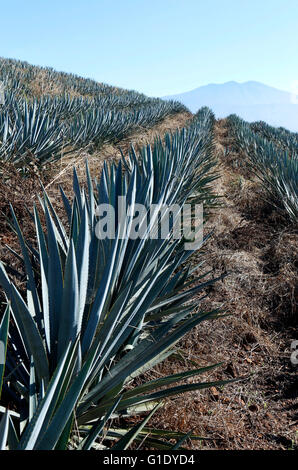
x=158 y=47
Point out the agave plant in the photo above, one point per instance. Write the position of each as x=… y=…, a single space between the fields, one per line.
x=275 y=164
x=97 y=313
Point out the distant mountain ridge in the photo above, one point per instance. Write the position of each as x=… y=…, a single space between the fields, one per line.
x=253 y=101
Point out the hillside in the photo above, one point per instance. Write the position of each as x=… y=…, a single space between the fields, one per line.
x=124 y=341
x=252 y=101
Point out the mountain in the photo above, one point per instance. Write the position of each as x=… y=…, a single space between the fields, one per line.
x=253 y=101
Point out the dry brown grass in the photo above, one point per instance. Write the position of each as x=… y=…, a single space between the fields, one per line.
x=18 y=191
x=41 y=85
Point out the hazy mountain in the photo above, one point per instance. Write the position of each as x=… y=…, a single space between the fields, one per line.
x=253 y=101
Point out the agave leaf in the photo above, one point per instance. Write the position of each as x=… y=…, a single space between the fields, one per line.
x=27 y=326
x=119 y=297
x=33 y=400
x=55 y=282
x=50 y=437
x=158 y=383
x=165 y=381
x=65 y=435
x=91 y=197
x=144 y=352
x=4 y=426
x=180 y=441
x=44 y=270
x=97 y=428
x=29 y=270
x=40 y=421
x=62 y=238
x=130 y=436
x=69 y=319
x=124 y=329
x=66 y=204
x=157 y=396
x=166 y=434
x=34 y=340
x=3 y=343
x=150 y=364
x=12 y=437
x=82 y=256
x=114 y=434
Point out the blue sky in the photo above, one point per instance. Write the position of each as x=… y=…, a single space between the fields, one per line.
x=157 y=47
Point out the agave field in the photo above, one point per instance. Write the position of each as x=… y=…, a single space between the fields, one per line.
x=273 y=156
x=83 y=318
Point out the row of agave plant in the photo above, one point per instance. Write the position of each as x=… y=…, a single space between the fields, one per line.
x=281 y=137
x=93 y=315
x=41 y=130
x=37 y=130
x=273 y=156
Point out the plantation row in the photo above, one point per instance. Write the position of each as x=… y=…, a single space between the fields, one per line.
x=273 y=157
x=95 y=314
x=281 y=137
x=39 y=129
